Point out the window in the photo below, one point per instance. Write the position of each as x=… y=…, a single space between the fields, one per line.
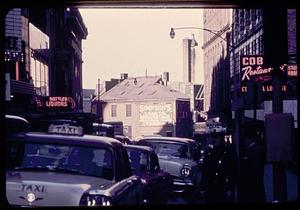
x=128 y=131
x=113 y=110
x=123 y=167
x=128 y=110
x=87 y=161
x=39 y=60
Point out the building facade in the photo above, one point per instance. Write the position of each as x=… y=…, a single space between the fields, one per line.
x=19 y=86
x=43 y=57
x=146 y=106
x=248 y=40
x=216 y=46
x=196 y=94
x=88 y=95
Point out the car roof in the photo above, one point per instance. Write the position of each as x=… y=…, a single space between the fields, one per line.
x=15 y=117
x=61 y=120
x=139 y=147
x=121 y=136
x=84 y=140
x=168 y=139
x=103 y=125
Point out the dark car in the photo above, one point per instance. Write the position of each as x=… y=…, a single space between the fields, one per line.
x=68 y=169
x=157 y=184
x=123 y=139
x=180 y=158
x=103 y=129
x=14 y=124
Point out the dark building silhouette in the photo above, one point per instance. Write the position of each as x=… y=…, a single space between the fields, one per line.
x=216 y=63
x=250 y=38
x=43 y=56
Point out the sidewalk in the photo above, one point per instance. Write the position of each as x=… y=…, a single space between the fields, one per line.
x=292 y=183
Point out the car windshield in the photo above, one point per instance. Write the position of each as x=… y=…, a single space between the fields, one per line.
x=61 y=158
x=172 y=149
x=138 y=159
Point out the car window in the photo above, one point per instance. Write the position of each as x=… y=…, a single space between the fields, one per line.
x=64 y=158
x=123 y=164
x=154 y=163
x=173 y=149
x=138 y=159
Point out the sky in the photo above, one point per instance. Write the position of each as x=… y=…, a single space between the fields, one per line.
x=137 y=41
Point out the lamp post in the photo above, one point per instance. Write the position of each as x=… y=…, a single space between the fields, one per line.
x=215 y=32
x=98 y=102
x=231 y=48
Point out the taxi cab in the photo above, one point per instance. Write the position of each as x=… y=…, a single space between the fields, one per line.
x=63 y=167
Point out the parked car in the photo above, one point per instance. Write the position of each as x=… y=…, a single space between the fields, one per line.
x=14 y=124
x=123 y=139
x=179 y=157
x=102 y=129
x=68 y=169
x=157 y=184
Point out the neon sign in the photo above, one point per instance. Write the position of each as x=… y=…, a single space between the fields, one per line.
x=56 y=102
x=252 y=68
x=253 y=72
x=249 y=71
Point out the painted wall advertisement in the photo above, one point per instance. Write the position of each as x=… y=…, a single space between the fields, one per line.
x=155 y=114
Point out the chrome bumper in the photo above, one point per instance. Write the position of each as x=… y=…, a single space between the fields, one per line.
x=181 y=185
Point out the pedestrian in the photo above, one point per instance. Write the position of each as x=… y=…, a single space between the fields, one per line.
x=251 y=170
x=219 y=170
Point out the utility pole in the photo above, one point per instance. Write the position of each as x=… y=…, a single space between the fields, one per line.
x=98 y=102
x=275 y=41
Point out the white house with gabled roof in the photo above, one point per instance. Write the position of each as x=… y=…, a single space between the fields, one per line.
x=146 y=106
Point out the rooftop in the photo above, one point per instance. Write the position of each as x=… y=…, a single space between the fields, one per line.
x=142 y=88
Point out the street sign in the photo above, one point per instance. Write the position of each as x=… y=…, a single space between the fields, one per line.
x=65 y=129
x=7 y=87
x=279 y=137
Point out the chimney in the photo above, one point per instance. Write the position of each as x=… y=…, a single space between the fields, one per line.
x=165 y=77
x=124 y=76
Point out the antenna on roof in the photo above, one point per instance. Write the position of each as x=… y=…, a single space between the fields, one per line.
x=146 y=72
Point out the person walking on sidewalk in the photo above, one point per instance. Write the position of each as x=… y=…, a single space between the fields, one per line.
x=219 y=170
x=251 y=168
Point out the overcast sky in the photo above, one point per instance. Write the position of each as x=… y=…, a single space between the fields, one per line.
x=134 y=41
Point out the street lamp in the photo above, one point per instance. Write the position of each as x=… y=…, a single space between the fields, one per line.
x=216 y=33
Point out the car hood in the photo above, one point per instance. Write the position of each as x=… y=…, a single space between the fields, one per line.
x=173 y=165
x=49 y=188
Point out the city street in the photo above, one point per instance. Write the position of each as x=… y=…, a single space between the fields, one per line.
x=107 y=106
